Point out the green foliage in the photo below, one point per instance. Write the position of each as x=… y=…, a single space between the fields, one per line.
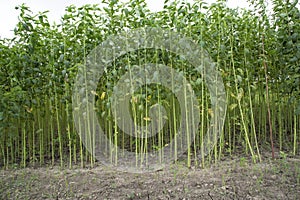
x=39 y=65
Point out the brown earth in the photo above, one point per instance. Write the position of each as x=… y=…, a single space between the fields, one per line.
x=230 y=179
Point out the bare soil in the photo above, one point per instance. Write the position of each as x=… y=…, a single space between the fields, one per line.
x=229 y=179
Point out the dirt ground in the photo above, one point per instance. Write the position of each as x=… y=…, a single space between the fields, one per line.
x=228 y=179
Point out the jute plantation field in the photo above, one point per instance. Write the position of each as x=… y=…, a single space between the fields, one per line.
x=196 y=101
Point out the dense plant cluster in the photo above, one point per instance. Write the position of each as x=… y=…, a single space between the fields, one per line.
x=257 y=53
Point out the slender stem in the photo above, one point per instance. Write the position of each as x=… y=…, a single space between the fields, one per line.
x=267 y=98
